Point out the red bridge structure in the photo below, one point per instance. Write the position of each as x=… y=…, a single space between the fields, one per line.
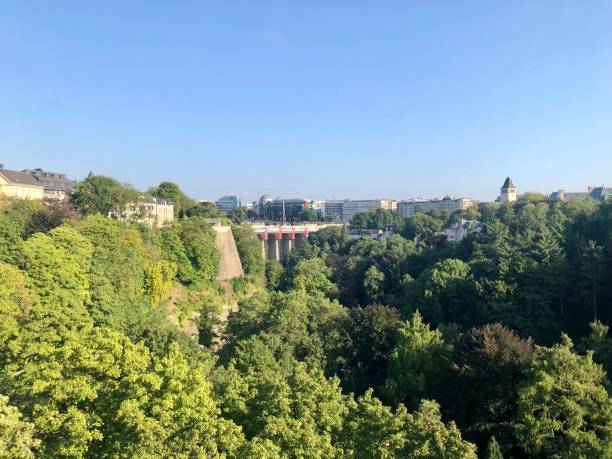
x=277 y=241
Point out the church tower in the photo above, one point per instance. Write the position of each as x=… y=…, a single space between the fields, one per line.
x=508 y=191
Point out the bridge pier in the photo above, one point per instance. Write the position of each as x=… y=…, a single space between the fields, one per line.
x=287 y=246
x=274 y=249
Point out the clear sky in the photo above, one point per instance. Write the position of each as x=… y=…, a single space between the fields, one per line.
x=311 y=98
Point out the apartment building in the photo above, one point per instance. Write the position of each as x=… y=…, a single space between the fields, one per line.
x=354 y=207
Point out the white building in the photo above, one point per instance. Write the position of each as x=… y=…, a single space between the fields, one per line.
x=352 y=208
x=448 y=204
x=507 y=191
x=155 y=212
x=459 y=230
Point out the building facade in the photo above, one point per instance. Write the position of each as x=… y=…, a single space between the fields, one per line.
x=20 y=185
x=333 y=209
x=56 y=185
x=354 y=207
x=284 y=210
x=461 y=229
x=447 y=204
x=228 y=203
x=600 y=194
x=155 y=212
x=507 y=192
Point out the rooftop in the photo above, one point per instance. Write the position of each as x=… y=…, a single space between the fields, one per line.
x=20 y=178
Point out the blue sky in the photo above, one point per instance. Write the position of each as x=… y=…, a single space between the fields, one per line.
x=311 y=98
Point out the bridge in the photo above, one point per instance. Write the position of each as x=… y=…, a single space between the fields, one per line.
x=277 y=241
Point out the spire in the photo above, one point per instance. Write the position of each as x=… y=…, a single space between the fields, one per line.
x=508 y=184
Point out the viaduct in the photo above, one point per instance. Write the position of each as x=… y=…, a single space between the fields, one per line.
x=277 y=241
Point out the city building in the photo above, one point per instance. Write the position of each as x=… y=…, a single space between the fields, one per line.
x=284 y=210
x=447 y=203
x=261 y=204
x=354 y=207
x=56 y=185
x=317 y=207
x=600 y=194
x=155 y=212
x=333 y=209
x=19 y=185
x=228 y=203
x=461 y=229
x=507 y=192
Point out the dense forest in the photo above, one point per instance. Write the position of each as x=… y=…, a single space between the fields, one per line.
x=113 y=341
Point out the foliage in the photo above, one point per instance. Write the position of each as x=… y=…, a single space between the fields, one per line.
x=493 y=450
x=416 y=363
x=376 y=219
x=274 y=274
x=101 y=195
x=198 y=239
x=564 y=409
x=16 y=441
x=172 y=192
x=369 y=335
x=204 y=210
x=249 y=249
x=373 y=430
x=312 y=276
x=486 y=369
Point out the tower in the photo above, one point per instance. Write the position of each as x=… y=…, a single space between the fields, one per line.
x=507 y=191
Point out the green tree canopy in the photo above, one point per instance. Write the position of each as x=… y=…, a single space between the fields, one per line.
x=101 y=195
x=564 y=409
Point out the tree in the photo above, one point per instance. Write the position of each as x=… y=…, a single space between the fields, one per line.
x=101 y=195
x=417 y=362
x=373 y=282
x=312 y=276
x=173 y=250
x=274 y=274
x=199 y=240
x=493 y=450
x=592 y=270
x=291 y=404
x=421 y=225
x=171 y=191
x=370 y=334
x=372 y=430
x=16 y=435
x=238 y=215
x=600 y=344
x=564 y=409
x=204 y=210
x=174 y=416
x=307 y=215
x=481 y=394
x=249 y=249
x=442 y=293
x=55 y=276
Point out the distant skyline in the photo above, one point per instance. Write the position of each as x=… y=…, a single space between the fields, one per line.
x=311 y=99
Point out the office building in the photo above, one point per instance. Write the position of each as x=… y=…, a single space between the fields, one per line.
x=333 y=209
x=228 y=203
x=283 y=210
x=354 y=207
